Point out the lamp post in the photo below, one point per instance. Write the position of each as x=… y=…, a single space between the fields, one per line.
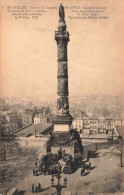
x=58 y=186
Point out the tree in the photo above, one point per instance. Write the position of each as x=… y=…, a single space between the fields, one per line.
x=49 y=159
x=8 y=144
x=118 y=145
x=49 y=164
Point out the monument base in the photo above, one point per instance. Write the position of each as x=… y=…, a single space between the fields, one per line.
x=62 y=143
x=61 y=139
x=62 y=119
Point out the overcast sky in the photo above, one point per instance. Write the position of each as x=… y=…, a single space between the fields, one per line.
x=95 y=52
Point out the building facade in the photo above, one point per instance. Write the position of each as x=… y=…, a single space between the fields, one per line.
x=39 y=118
x=11 y=117
x=9 y=128
x=27 y=119
x=99 y=125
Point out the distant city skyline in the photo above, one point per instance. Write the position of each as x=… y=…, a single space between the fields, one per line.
x=95 y=55
x=73 y=99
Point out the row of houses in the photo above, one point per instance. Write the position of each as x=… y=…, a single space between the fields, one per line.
x=9 y=122
x=101 y=125
x=85 y=124
x=12 y=121
x=29 y=118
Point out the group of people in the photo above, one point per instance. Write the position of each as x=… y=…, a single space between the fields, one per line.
x=37 y=188
x=86 y=166
x=35 y=172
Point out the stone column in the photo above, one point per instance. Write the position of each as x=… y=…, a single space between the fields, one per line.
x=62 y=39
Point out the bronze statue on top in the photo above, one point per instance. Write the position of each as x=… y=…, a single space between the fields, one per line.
x=61 y=13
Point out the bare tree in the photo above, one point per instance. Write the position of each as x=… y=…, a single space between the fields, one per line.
x=117 y=145
x=8 y=143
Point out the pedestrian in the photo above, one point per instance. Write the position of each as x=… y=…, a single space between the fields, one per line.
x=44 y=170
x=32 y=188
x=39 y=187
x=82 y=172
x=89 y=165
x=36 y=190
x=83 y=165
x=88 y=156
x=36 y=172
x=36 y=163
x=41 y=168
x=33 y=172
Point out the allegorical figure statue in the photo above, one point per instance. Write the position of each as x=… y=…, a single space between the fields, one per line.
x=62 y=104
x=61 y=12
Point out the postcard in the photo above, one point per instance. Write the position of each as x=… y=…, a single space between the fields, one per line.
x=61 y=97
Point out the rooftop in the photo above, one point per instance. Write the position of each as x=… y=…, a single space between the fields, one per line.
x=31 y=129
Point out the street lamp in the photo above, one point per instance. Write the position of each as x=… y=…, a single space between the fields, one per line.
x=58 y=186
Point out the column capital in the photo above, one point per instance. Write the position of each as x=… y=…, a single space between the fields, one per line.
x=62 y=37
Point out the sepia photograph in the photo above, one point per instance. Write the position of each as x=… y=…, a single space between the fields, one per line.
x=61 y=97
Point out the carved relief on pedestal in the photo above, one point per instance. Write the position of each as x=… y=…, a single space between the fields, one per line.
x=62 y=105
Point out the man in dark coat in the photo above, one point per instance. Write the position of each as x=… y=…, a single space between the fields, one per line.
x=39 y=187
x=32 y=188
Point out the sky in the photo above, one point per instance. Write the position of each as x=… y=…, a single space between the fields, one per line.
x=28 y=53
